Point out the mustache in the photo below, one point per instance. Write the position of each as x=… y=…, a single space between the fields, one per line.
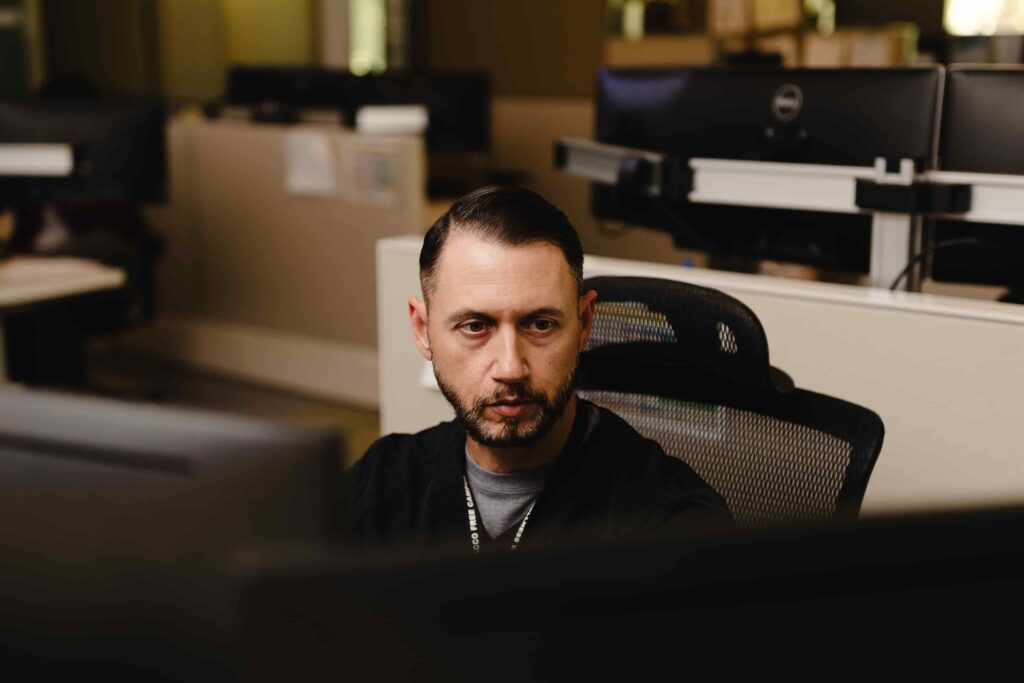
x=512 y=393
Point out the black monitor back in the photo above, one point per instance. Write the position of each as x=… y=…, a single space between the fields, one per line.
x=982 y=132
x=117 y=519
x=294 y=86
x=119 y=150
x=817 y=116
x=458 y=102
x=814 y=116
x=926 y=591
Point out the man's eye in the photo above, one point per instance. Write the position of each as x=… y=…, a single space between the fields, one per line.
x=474 y=326
x=542 y=325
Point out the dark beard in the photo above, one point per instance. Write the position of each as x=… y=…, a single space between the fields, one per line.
x=511 y=431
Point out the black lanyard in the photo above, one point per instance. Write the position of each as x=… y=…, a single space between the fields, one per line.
x=577 y=436
x=474 y=520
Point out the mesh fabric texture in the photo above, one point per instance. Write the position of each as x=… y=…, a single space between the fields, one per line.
x=688 y=367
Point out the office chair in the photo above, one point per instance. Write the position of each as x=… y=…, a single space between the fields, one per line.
x=687 y=366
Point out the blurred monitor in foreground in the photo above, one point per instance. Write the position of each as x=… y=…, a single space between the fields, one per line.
x=923 y=591
x=118 y=519
x=844 y=117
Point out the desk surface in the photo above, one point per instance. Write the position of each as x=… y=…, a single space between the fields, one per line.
x=30 y=279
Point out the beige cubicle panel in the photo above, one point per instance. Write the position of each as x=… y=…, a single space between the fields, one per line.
x=270 y=270
x=945 y=374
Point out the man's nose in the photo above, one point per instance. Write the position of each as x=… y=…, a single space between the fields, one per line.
x=510 y=364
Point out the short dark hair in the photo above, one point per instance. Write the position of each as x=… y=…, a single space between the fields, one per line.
x=508 y=215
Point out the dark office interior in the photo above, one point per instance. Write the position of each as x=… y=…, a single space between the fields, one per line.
x=803 y=223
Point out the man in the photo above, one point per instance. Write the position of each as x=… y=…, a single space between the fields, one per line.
x=503 y=321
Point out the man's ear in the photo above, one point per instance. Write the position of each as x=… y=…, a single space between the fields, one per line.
x=588 y=303
x=418 y=317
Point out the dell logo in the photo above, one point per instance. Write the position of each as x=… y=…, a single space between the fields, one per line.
x=787 y=102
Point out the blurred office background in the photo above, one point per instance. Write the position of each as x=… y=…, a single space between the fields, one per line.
x=265 y=293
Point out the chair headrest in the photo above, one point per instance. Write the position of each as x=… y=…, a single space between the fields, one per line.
x=676 y=339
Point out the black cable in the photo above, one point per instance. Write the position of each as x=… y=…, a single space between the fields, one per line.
x=683 y=228
x=944 y=244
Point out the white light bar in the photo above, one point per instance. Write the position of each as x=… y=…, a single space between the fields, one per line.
x=54 y=160
x=397 y=119
x=995 y=198
x=814 y=187
x=781 y=185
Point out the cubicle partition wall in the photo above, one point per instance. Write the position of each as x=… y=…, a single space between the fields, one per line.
x=270 y=270
x=943 y=373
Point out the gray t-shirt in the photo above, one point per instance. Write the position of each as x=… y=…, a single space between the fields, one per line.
x=503 y=499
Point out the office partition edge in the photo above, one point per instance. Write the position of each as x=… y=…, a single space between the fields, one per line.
x=314 y=366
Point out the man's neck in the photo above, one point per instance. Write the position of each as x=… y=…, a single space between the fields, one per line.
x=522 y=458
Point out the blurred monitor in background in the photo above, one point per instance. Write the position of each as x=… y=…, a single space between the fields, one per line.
x=980 y=135
x=94 y=212
x=458 y=102
x=119 y=146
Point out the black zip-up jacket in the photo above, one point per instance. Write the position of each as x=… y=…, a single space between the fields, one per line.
x=616 y=483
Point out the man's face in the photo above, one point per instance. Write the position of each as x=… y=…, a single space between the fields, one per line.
x=504 y=331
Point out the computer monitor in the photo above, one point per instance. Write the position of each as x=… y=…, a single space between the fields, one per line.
x=458 y=102
x=981 y=133
x=118 y=521
x=928 y=590
x=119 y=150
x=846 y=117
x=314 y=87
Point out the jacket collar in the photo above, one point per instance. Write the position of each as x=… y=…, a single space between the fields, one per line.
x=444 y=504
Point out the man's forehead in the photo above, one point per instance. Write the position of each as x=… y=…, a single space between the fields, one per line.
x=471 y=267
x=469 y=261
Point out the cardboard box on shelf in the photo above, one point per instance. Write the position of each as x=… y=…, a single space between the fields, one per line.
x=777 y=15
x=730 y=17
x=734 y=17
x=890 y=45
x=887 y=46
x=824 y=51
x=674 y=50
x=871 y=49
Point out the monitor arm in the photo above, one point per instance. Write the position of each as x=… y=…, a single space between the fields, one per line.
x=893 y=193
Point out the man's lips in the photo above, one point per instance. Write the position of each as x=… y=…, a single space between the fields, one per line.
x=510 y=407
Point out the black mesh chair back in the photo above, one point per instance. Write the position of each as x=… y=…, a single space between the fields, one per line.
x=688 y=367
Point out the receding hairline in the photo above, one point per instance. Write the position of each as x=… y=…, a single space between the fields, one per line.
x=493 y=235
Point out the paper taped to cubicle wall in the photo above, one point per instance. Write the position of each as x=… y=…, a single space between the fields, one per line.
x=310 y=168
x=369 y=171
